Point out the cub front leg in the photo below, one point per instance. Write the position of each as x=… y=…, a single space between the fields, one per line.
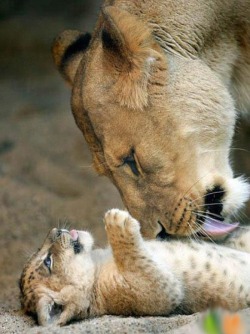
x=124 y=237
x=145 y=285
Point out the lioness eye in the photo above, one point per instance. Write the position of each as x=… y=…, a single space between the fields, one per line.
x=48 y=262
x=130 y=161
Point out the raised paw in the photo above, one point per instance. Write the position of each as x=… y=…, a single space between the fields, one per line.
x=120 y=225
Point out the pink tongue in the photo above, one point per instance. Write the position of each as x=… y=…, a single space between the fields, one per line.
x=74 y=234
x=213 y=227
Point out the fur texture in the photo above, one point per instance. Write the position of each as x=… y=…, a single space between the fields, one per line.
x=133 y=277
x=155 y=94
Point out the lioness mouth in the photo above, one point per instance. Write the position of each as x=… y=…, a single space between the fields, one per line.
x=163 y=234
x=211 y=227
x=216 y=228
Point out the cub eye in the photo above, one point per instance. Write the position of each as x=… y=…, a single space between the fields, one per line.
x=131 y=162
x=48 y=262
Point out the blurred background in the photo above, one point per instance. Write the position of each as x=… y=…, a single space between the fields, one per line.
x=46 y=178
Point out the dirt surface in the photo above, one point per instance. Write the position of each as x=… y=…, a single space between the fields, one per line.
x=46 y=177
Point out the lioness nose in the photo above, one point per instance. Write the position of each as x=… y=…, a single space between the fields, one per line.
x=213 y=200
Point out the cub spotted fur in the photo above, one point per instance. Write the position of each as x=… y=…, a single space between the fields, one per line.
x=66 y=279
x=155 y=91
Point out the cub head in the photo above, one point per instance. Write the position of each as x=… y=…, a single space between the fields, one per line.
x=56 y=281
x=158 y=125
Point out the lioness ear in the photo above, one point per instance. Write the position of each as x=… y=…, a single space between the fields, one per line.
x=131 y=50
x=68 y=49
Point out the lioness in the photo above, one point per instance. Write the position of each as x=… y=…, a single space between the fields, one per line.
x=66 y=279
x=155 y=91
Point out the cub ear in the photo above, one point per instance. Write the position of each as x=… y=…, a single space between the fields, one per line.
x=68 y=49
x=58 y=308
x=130 y=49
x=48 y=312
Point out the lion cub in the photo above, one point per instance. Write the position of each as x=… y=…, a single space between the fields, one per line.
x=66 y=279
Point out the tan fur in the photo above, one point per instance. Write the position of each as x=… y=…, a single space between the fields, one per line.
x=137 y=51
x=162 y=80
x=134 y=277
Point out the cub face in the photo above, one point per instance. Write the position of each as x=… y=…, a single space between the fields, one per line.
x=160 y=127
x=56 y=281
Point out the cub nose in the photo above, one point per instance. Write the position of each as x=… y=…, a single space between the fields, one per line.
x=213 y=200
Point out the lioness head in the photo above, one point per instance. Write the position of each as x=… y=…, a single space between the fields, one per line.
x=159 y=126
x=56 y=281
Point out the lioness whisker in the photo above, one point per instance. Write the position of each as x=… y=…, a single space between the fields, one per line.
x=205 y=213
x=231 y=149
x=241 y=215
x=202 y=177
x=193 y=234
x=213 y=193
x=205 y=232
x=212 y=204
x=189 y=189
x=201 y=214
x=221 y=222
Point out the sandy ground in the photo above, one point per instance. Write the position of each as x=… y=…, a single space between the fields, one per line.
x=46 y=178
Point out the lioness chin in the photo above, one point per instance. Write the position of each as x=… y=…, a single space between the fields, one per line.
x=66 y=279
x=155 y=91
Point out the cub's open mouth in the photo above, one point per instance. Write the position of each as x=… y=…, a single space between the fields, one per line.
x=77 y=246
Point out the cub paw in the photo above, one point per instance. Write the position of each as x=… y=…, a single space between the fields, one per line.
x=120 y=224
